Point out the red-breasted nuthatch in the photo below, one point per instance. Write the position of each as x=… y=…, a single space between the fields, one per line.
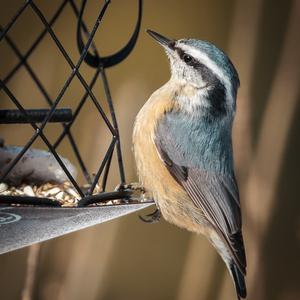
x=183 y=148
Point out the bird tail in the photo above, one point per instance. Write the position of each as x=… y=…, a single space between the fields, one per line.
x=239 y=281
x=236 y=269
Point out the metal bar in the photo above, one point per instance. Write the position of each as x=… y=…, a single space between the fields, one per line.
x=15 y=116
x=80 y=161
x=105 y=159
x=26 y=200
x=102 y=197
x=106 y=171
x=115 y=123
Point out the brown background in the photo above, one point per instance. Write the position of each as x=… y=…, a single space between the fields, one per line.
x=126 y=259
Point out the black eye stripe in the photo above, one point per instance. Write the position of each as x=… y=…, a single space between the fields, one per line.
x=217 y=95
x=206 y=73
x=191 y=61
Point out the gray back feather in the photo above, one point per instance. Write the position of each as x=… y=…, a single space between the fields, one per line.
x=200 y=142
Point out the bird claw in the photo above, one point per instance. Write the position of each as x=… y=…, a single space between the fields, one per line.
x=135 y=186
x=152 y=218
x=136 y=190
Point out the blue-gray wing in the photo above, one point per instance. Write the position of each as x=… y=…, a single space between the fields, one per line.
x=215 y=194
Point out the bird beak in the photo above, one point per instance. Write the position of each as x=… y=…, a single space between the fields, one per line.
x=165 y=42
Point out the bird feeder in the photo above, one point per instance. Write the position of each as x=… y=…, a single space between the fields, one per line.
x=40 y=196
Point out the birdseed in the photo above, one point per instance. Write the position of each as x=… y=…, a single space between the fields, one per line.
x=64 y=193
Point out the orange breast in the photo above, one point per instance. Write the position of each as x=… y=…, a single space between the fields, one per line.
x=153 y=174
x=173 y=201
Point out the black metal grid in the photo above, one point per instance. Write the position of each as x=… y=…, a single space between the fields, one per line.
x=89 y=55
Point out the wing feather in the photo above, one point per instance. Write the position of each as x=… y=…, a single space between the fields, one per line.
x=216 y=195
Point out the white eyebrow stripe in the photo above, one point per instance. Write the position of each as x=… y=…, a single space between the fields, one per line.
x=211 y=65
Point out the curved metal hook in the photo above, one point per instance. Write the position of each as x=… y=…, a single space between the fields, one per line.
x=82 y=25
x=94 y=60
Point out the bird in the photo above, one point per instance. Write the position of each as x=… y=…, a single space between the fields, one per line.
x=182 y=144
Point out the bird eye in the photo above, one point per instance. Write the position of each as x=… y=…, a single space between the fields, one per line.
x=187 y=58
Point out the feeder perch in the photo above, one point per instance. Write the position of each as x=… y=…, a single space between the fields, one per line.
x=40 y=195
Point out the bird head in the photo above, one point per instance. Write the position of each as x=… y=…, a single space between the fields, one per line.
x=205 y=67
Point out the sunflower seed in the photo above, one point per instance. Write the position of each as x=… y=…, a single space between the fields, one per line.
x=3 y=187
x=52 y=191
x=60 y=196
x=28 y=191
x=71 y=192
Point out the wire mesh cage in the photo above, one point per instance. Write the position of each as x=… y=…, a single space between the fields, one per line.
x=43 y=194
x=50 y=108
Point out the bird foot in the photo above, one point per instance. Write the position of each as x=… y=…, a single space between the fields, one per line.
x=152 y=218
x=136 y=190
x=134 y=186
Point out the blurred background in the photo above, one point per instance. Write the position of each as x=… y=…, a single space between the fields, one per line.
x=125 y=258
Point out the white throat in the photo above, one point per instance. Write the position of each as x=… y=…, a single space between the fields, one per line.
x=189 y=96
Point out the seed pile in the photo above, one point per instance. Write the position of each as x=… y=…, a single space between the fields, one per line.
x=64 y=193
